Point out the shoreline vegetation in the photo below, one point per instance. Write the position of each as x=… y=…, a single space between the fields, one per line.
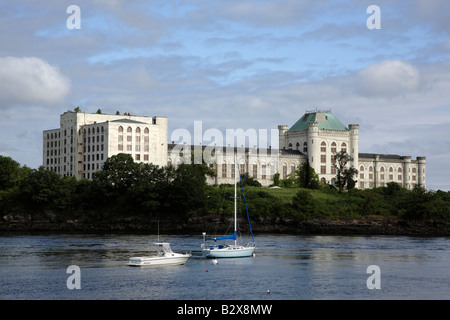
x=128 y=197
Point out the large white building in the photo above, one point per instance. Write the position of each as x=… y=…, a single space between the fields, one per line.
x=84 y=141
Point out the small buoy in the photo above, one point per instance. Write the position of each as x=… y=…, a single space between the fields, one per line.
x=253 y=255
x=268 y=291
x=206 y=270
x=214 y=261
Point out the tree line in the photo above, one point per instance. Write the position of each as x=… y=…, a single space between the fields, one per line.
x=124 y=188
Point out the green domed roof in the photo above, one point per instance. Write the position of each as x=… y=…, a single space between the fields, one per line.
x=326 y=120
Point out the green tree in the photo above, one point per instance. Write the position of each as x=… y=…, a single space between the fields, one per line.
x=118 y=174
x=9 y=173
x=276 y=179
x=307 y=177
x=247 y=181
x=43 y=189
x=344 y=175
x=186 y=194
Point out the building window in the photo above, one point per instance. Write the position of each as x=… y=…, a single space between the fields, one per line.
x=323 y=146
x=323 y=169
x=284 y=172
x=323 y=158
x=224 y=170
x=344 y=147
x=333 y=147
x=255 y=171
x=305 y=147
x=293 y=172
x=263 y=175
x=233 y=170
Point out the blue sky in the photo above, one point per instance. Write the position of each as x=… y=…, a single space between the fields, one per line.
x=232 y=64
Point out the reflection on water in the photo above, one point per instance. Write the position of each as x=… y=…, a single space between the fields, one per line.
x=291 y=267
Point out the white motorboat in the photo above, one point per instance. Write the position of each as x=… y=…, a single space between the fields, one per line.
x=163 y=256
x=229 y=250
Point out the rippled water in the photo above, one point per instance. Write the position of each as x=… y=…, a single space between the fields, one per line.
x=291 y=267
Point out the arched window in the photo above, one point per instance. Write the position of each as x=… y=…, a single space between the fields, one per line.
x=361 y=172
x=146 y=142
x=129 y=129
x=305 y=146
x=120 y=139
x=290 y=146
x=297 y=146
x=344 y=147
x=323 y=147
x=333 y=147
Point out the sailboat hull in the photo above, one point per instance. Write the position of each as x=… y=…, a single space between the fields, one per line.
x=228 y=252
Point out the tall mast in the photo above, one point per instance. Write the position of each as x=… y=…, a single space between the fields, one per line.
x=235 y=181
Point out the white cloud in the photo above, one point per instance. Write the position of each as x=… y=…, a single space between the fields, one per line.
x=388 y=78
x=30 y=80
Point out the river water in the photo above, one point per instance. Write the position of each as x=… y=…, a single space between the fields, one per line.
x=35 y=266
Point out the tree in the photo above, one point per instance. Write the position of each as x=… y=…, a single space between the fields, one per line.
x=117 y=175
x=43 y=189
x=9 y=173
x=307 y=177
x=99 y=111
x=187 y=190
x=344 y=175
x=247 y=180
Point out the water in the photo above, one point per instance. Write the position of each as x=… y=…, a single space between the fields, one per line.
x=291 y=267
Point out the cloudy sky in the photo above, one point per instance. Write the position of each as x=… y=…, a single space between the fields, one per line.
x=232 y=64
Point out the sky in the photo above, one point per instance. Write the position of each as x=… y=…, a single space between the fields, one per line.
x=235 y=64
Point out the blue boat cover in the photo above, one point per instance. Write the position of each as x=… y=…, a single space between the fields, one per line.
x=231 y=236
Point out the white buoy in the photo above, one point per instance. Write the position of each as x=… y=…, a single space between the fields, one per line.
x=268 y=291
x=214 y=261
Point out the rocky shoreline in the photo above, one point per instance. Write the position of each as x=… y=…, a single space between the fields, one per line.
x=196 y=225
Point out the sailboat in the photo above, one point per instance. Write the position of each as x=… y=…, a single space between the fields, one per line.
x=233 y=250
